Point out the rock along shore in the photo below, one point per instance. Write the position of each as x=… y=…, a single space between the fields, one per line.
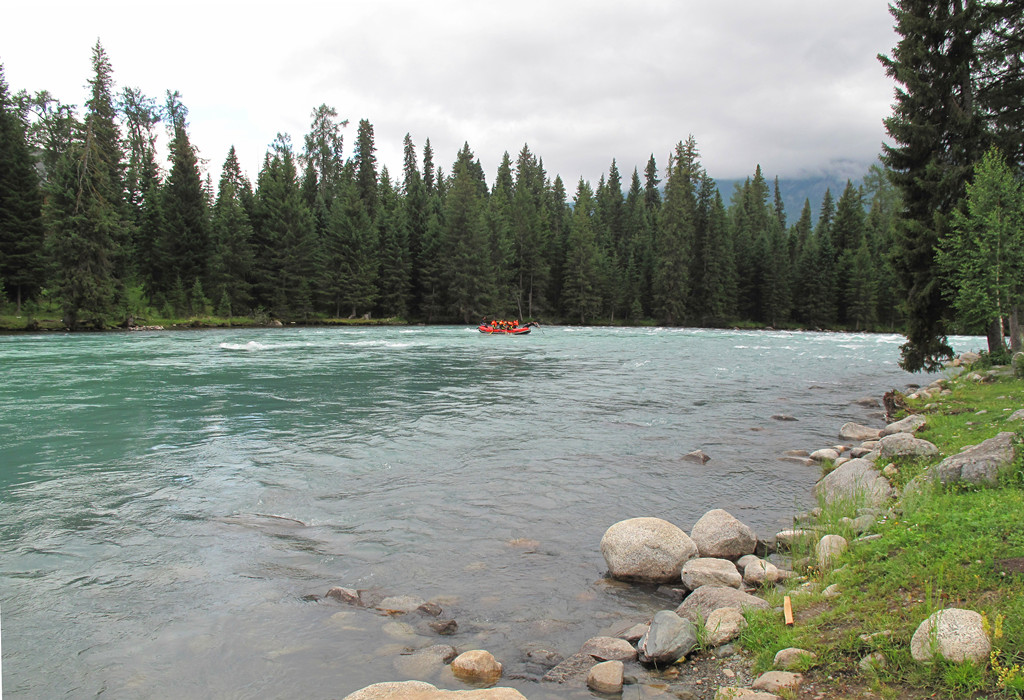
x=718 y=572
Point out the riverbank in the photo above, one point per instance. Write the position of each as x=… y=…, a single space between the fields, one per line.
x=48 y=323
x=897 y=553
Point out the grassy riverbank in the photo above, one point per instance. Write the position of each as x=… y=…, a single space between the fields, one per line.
x=953 y=547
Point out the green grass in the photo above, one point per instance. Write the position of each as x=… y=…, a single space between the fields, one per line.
x=937 y=550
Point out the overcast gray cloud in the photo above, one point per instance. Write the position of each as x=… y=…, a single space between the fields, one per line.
x=791 y=85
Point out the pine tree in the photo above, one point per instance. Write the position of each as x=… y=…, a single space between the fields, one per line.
x=323 y=164
x=393 y=233
x=286 y=250
x=428 y=168
x=352 y=254
x=848 y=240
x=85 y=207
x=415 y=217
x=1000 y=74
x=885 y=206
x=638 y=233
x=674 y=245
x=470 y=271
x=22 y=258
x=499 y=227
x=719 y=280
x=531 y=233
x=365 y=165
x=231 y=237
x=938 y=136
x=186 y=234
x=580 y=298
x=142 y=188
x=983 y=255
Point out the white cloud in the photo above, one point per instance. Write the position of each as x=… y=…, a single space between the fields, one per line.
x=794 y=86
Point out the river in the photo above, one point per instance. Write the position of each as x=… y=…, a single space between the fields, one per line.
x=169 y=500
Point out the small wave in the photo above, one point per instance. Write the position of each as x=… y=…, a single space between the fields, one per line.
x=377 y=344
x=250 y=346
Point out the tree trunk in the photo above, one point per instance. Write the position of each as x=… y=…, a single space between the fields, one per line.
x=1016 y=333
x=995 y=336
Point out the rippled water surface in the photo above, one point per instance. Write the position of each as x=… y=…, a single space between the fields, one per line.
x=167 y=500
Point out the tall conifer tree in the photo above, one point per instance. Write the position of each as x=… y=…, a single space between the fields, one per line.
x=938 y=136
x=22 y=261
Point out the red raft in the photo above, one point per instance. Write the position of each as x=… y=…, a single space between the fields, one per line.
x=518 y=330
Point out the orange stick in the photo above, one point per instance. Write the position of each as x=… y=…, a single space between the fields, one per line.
x=787 y=610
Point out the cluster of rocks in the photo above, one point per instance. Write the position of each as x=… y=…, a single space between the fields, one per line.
x=718 y=567
x=716 y=571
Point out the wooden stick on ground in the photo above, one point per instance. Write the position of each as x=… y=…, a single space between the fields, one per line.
x=787 y=610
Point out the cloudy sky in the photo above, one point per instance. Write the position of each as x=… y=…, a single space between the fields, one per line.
x=792 y=85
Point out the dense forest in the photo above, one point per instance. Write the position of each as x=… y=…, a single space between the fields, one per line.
x=94 y=225
x=108 y=233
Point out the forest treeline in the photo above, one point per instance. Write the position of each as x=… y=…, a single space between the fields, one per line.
x=95 y=223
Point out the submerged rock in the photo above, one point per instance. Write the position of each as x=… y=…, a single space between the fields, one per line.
x=697 y=457
x=418 y=690
x=606 y=677
x=609 y=649
x=477 y=666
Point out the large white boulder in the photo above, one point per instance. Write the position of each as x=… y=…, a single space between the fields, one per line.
x=724 y=625
x=418 y=690
x=706 y=599
x=905 y=445
x=980 y=464
x=857 y=481
x=646 y=549
x=911 y=424
x=954 y=634
x=718 y=534
x=858 y=432
x=703 y=571
x=477 y=666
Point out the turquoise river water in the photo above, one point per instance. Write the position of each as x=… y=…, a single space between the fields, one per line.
x=168 y=501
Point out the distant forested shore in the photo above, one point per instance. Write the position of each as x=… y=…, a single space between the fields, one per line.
x=99 y=232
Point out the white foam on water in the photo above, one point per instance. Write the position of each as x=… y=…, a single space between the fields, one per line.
x=249 y=347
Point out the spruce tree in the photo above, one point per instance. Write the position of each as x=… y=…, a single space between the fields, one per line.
x=531 y=233
x=85 y=207
x=983 y=255
x=849 y=242
x=393 y=233
x=351 y=253
x=671 y=284
x=937 y=136
x=149 y=261
x=22 y=258
x=186 y=234
x=231 y=237
x=470 y=272
x=719 y=278
x=580 y=298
